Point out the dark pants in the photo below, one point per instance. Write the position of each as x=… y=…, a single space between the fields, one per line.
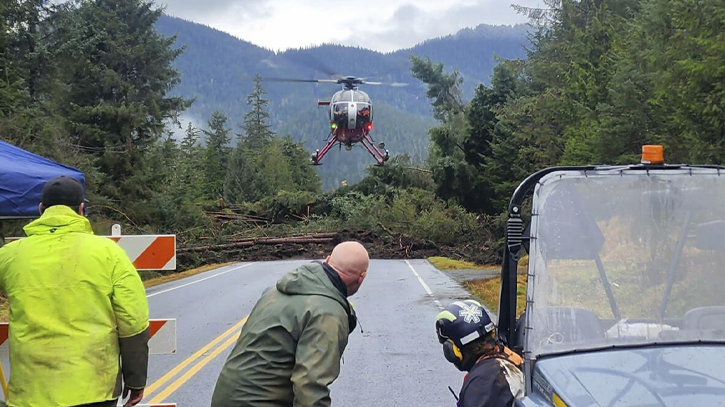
x=111 y=403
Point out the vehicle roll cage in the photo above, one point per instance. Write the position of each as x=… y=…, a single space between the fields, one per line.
x=516 y=238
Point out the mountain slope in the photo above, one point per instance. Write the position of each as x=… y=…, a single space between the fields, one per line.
x=217 y=70
x=473 y=51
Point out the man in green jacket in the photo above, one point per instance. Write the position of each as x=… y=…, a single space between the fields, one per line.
x=290 y=348
x=76 y=305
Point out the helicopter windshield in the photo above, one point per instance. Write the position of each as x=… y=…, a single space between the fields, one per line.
x=626 y=257
x=361 y=97
x=342 y=96
x=350 y=96
x=352 y=109
x=364 y=115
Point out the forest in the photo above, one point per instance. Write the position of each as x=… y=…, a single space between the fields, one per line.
x=91 y=84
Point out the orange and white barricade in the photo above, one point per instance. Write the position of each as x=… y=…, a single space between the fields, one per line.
x=147 y=252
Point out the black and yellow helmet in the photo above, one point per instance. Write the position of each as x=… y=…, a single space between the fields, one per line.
x=459 y=324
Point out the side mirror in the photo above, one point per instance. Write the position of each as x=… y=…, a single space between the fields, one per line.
x=710 y=236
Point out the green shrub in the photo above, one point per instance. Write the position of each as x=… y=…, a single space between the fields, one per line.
x=355 y=210
x=285 y=205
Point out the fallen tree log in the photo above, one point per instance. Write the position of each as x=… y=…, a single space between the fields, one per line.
x=303 y=237
x=252 y=242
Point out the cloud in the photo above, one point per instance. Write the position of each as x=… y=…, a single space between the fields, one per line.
x=209 y=10
x=382 y=25
x=411 y=24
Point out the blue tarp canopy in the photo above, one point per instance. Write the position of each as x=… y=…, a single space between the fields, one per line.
x=22 y=177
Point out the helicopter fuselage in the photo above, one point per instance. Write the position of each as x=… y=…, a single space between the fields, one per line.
x=351 y=115
x=351 y=121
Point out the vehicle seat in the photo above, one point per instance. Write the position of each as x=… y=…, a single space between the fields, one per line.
x=709 y=318
x=574 y=324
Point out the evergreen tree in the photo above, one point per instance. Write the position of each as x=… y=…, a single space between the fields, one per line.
x=275 y=171
x=683 y=45
x=10 y=79
x=447 y=159
x=189 y=178
x=244 y=180
x=216 y=156
x=256 y=126
x=443 y=89
x=189 y=142
x=242 y=177
x=29 y=51
x=304 y=176
x=489 y=144
x=117 y=104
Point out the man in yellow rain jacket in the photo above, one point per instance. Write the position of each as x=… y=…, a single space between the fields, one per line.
x=78 y=310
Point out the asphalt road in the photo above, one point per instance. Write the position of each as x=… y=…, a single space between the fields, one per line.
x=396 y=361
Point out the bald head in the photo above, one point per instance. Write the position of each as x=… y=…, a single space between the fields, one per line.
x=350 y=260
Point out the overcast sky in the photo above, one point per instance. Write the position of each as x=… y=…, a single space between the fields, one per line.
x=382 y=25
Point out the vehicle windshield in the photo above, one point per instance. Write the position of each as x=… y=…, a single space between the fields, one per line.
x=626 y=257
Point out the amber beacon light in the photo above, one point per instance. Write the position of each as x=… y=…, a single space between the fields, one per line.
x=653 y=155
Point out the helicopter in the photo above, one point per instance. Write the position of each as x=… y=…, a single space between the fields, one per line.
x=351 y=116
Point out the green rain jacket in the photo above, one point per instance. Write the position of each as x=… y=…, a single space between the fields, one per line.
x=290 y=347
x=76 y=305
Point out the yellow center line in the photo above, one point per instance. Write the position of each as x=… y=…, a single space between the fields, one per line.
x=173 y=372
x=194 y=370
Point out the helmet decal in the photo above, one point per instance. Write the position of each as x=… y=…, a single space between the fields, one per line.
x=470 y=313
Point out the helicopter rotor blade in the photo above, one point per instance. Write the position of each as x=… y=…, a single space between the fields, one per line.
x=300 y=80
x=325 y=69
x=313 y=63
x=393 y=84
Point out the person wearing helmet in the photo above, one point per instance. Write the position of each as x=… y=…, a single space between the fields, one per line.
x=468 y=336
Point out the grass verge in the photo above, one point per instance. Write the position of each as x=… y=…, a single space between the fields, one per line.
x=444 y=263
x=488 y=292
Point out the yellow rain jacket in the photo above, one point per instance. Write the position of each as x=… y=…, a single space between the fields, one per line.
x=73 y=296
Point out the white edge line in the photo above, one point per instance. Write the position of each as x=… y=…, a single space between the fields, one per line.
x=200 y=280
x=425 y=286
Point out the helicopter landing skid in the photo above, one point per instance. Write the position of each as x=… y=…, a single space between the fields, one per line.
x=317 y=156
x=375 y=151
x=366 y=141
